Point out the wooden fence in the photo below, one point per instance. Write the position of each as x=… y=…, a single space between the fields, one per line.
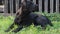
x=49 y=6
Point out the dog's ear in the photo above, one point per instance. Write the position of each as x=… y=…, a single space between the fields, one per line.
x=36 y=7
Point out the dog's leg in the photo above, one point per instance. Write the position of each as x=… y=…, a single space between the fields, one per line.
x=18 y=29
x=10 y=28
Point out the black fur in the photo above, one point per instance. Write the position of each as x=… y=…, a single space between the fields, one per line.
x=22 y=16
x=25 y=17
x=41 y=20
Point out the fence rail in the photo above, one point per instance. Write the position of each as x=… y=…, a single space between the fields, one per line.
x=49 y=6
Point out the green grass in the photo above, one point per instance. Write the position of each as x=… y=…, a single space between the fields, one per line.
x=5 y=22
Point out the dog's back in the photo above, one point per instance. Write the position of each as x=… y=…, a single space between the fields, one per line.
x=40 y=19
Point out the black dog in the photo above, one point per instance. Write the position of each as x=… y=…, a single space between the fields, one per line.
x=25 y=17
x=22 y=16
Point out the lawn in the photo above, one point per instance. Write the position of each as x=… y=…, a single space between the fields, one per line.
x=5 y=22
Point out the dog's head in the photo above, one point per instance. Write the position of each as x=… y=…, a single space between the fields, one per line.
x=27 y=7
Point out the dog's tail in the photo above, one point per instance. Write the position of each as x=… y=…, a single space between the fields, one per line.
x=49 y=21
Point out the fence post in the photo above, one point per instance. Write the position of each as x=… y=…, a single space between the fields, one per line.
x=40 y=5
x=11 y=7
x=34 y=1
x=51 y=6
x=46 y=6
x=17 y=4
x=57 y=6
x=6 y=6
